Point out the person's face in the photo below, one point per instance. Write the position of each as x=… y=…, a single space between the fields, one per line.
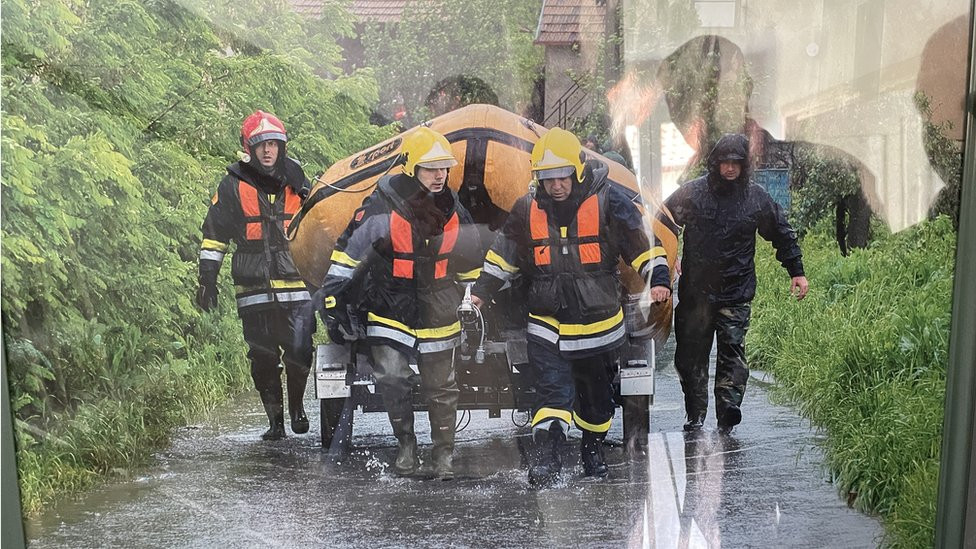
x=267 y=152
x=730 y=170
x=558 y=188
x=433 y=179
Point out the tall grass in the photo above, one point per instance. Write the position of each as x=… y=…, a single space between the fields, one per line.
x=123 y=393
x=864 y=358
x=108 y=169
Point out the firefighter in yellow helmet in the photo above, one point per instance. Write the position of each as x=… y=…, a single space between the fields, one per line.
x=565 y=237
x=400 y=262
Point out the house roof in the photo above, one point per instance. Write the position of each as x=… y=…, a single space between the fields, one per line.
x=380 y=11
x=564 y=22
x=308 y=8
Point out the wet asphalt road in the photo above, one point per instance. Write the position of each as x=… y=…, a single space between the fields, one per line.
x=219 y=485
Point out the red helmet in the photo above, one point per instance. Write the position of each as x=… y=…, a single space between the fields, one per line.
x=261 y=126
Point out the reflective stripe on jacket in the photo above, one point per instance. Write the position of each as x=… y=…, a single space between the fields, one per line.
x=255 y=220
x=401 y=270
x=574 y=266
x=574 y=292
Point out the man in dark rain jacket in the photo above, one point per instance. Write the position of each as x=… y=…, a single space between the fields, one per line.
x=252 y=207
x=401 y=259
x=566 y=237
x=721 y=213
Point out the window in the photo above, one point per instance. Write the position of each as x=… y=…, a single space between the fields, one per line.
x=716 y=13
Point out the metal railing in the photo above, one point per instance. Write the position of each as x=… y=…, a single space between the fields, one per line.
x=567 y=106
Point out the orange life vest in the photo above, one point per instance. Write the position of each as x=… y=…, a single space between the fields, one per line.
x=401 y=233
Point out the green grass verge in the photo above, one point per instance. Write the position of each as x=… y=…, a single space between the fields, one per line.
x=126 y=406
x=864 y=358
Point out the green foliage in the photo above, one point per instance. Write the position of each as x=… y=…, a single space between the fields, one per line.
x=595 y=83
x=681 y=20
x=819 y=178
x=945 y=155
x=486 y=39
x=706 y=84
x=126 y=400
x=457 y=91
x=118 y=119
x=864 y=357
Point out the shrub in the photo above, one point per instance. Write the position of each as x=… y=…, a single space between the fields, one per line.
x=118 y=119
x=864 y=358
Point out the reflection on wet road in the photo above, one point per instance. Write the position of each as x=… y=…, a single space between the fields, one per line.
x=220 y=485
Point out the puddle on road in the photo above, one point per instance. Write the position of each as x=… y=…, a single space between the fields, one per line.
x=218 y=484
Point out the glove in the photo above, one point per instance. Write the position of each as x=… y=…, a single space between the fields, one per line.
x=207 y=297
x=337 y=324
x=336 y=333
x=207 y=292
x=339 y=331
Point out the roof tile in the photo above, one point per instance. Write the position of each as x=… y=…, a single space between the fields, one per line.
x=381 y=11
x=569 y=21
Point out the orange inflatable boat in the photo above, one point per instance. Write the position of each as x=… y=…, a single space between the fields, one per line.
x=492 y=147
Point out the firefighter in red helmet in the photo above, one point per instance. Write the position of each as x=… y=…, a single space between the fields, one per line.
x=252 y=208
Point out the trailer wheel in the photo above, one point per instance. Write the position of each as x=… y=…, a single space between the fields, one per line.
x=331 y=413
x=637 y=419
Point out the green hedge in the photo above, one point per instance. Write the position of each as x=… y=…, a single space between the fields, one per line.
x=864 y=358
x=118 y=119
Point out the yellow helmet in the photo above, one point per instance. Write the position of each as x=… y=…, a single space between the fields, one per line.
x=557 y=154
x=426 y=148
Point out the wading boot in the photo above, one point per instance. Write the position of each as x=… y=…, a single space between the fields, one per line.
x=731 y=417
x=545 y=468
x=591 y=453
x=442 y=424
x=406 y=462
x=296 y=405
x=441 y=392
x=276 y=414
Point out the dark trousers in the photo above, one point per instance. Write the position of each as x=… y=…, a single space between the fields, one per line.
x=391 y=369
x=581 y=386
x=696 y=322
x=270 y=338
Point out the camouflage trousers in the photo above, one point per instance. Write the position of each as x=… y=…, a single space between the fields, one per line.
x=695 y=324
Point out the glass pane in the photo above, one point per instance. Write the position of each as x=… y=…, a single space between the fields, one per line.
x=143 y=420
x=714 y=13
x=854 y=114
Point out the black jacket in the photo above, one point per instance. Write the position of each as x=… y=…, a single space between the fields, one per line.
x=410 y=297
x=252 y=209
x=573 y=304
x=720 y=220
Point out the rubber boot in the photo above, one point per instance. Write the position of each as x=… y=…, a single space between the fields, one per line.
x=591 y=452
x=546 y=465
x=443 y=420
x=441 y=390
x=276 y=414
x=296 y=404
x=406 y=462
